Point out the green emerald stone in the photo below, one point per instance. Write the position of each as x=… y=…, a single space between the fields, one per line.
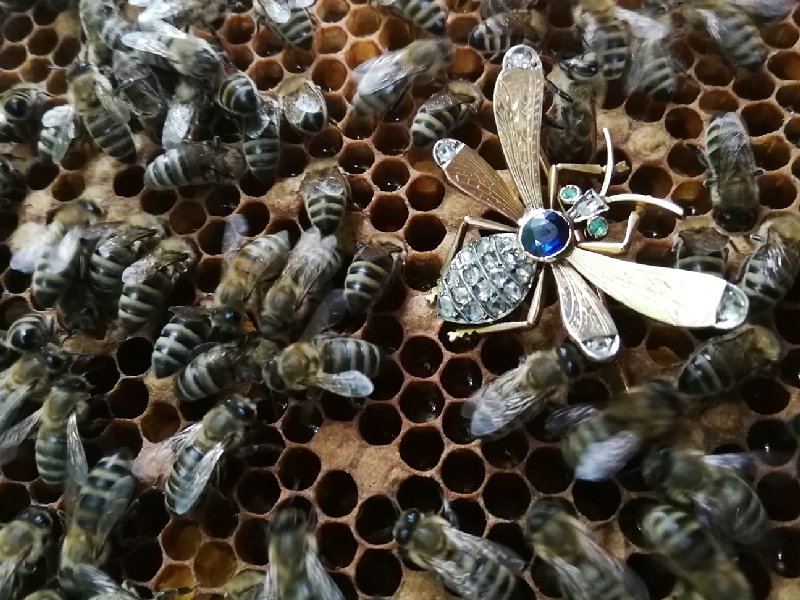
x=569 y=193
x=597 y=227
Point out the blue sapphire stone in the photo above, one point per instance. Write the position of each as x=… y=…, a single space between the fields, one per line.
x=545 y=234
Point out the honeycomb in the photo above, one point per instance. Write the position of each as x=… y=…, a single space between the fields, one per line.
x=345 y=462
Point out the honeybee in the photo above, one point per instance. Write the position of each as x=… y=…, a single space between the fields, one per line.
x=60 y=126
x=303 y=104
x=724 y=362
x=294 y=566
x=23 y=542
x=166 y=47
x=189 y=457
x=102 y=496
x=771 y=269
x=289 y=19
x=247 y=265
x=475 y=568
x=52 y=255
x=372 y=270
x=383 y=80
x=185 y=112
x=325 y=190
x=262 y=144
x=147 y=282
x=504 y=24
x=104 y=26
x=732 y=169
x=443 y=112
x=22 y=107
x=217 y=366
x=194 y=164
x=599 y=442
x=585 y=571
x=732 y=25
x=237 y=93
x=693 y=554
x=581 y=88
x=604 y=34
x=119 y=248
x=430 y=15
x=342 y=365
x=31 y=332
x=12 y=185
x=713 y=485
x=312 y=264
x=26 y=378
x=104 y=116
x=519 y=394
x=247 y=584
x=137 y=82
x=180 y=14
x=704 y=250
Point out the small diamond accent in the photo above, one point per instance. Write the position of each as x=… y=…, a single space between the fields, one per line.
x=446 y=308
x=521 y=57
x=474 y=313
x=471 y=275
x=461 y=295
x=445 y=151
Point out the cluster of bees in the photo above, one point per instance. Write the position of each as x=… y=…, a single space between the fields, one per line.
x=114 y=279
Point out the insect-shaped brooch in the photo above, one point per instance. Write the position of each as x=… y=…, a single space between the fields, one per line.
x=490 y=277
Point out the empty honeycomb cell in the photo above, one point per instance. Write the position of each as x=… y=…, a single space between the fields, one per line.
x=684 y=159
x=420 y=492
x=469 y=133
x=157 y=202
x=223 y=200
x=788 y=97
x=781 y=35
x=783 y=551
x=765 y=396
x=390 y=175
x=651 y=180
x=643 y=108
x=42 y=42
x=421 y=356
x=17 y=28
x=630 y=517
x=461 y=377
x=173 y=577
x=653 y=573
x=181 y=539
x=375 y=520
x=454 y=425
x=133 y=356
x=219 y=515
x=400 y=111
x=300 y=423
x=396 y=33
x=256 y=217
x=379 y=424
x=718 y=101
x=674 y=340
x=780 y=495
x=143 y=562
x=771 y=153
x=391 y=140
x=122 y=435
x=329 y=74
x=251 y=542
x=129 y=181
x=424 y=232
x=510 y=535
x=683 y=123
x=336 y=494
x=421 y=401
x=11 y=309
x=74 y=160
x=238 y=29
x=713 y=70
x=459 y=28
x=363 y=21
x=298 y=469
x=686 y=92
x=7 y=226
x=210 y=237
x=325 y=144
x=776 y=190
x=358 y=129
x=506 y=496
x=467 y=64
x=22 y=465
x=266 y=74
x=693 y=197
x=657 y=224
x=796 y=168
x=492 y=152
x=293 y=161
x=296 y=60
x=101 y=371
x=16 y=282
x=384 y=331
x=337 y=546
x=785 y=65
x=378 y=573
x=762 y=118
x=359 y=52
x=421 y=448
x=507 y=452
x=792 y=132
x=356 y=158
x=772 y=442
x=596 y=500
x=463 y=472
x=422 y=271
x=12 y=56
x=187 y=217
x=41 y=175
x=129 y=399
x=214 y=564
x=337 y=410
x=547 y=471
x=56 y=84
x=501 y=353
x=42 y=493
x=630 y=325
x=756 y=573
x=331 y=40
x=68 y=186
x=425 y=193
x=754 y=86
x=388 y=213
x=35 y=70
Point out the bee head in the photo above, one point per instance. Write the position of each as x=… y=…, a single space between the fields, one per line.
x=228 y=319
x=38 y=516
x=571 y=360
x=73 y=383
x=17 y=107
x=406 y=525
x=55 y=359
x=241 y=407
x=27 y=339
x=580 y=67
x=78 y=68
x=541 y=513
x=288 y=520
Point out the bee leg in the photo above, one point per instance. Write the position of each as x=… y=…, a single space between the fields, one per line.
x=449 y=514
x=534 y=312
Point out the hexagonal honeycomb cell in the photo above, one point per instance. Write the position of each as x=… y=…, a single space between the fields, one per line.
x=350 y=465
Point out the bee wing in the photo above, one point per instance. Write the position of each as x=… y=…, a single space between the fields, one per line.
x=161 y=10
x=200 y=476
x=148 y=42
x=765 y=9
x=490 y=8
x=351 y=384
x=383 y=71
x=602 y=460
x=143 y=268
x=66 y=251
x=738 y=156
x=741 y=463
x=306 y=264
x=94 y=582
x=154 y=461
x=14 y=436
x=446 y=101
x=275 y=11
x=178 y=123
x=113 y=104
x=61 y=120
x=643 y=26
x=77 y=467
x=119 y=498
x=29 y=253
x=322 y=586
x=498 y=404
x=331 y=311
x=646 y=52
x=563 y=419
